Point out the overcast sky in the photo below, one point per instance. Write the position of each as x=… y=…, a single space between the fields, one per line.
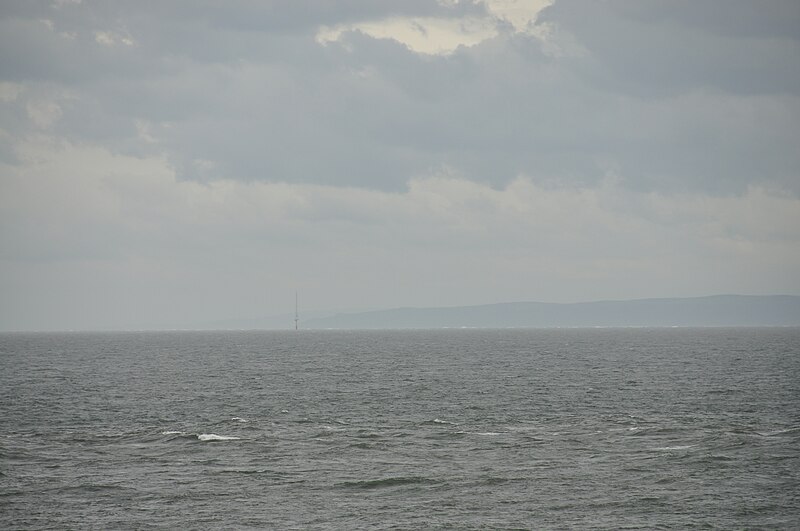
x=166 y=163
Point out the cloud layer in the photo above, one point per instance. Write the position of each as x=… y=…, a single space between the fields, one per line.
x=184 y=159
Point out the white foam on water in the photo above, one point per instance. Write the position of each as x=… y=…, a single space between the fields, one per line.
x=780 y=432
x=172 y=432
x=239 y=419
x=440 y=421
x=525 y=428
x=488 y=433
x=215 y=437
x=669 y=448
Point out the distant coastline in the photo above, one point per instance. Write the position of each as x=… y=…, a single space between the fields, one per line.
x=715 y=310
x=708 y=311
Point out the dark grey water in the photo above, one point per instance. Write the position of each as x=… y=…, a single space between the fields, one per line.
x=457 y=429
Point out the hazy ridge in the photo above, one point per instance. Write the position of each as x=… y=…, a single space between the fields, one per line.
x=717 y=310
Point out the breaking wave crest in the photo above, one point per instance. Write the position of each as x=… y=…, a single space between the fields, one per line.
x=207 y=437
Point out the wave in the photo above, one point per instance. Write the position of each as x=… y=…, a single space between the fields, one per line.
x=649 y=431
x=368 y=445
x=385 y=482
x=90 y=488
x=207 y=437
x=172 y=432
x=440 y=421
x=239 y=419
x=719 y=457
x=328 y=431
x=366 y=434
x=109 y=435
x=499 y=480
x=445 y=435
x=671 y=448
x=777 y=433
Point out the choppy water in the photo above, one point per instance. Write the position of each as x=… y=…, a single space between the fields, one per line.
x=456 y=429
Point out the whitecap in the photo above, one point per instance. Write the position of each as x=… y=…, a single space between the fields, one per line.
x=669 y=448
x=215 y=437
x=440 y=421
x=780 y=432
x=238 y=419
x=488 y=433
x=172 y=432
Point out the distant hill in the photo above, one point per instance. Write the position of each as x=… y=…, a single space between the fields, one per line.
x=718 y=310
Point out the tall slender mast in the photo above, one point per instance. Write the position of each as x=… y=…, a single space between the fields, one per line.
x=296 y=316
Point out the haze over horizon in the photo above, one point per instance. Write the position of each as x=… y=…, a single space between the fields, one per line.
x=196 y=162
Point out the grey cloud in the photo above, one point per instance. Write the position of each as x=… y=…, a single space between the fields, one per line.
x=734 y=18
x=206 y=31
x=666 y=96
x=291 y=15
x=659 y=48
x=207 y=159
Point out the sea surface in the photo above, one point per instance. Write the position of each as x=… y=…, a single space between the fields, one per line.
x=438 y=429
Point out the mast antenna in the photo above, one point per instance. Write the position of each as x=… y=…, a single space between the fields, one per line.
x=296 y=315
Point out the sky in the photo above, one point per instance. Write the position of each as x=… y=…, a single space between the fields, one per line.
x=170 y=163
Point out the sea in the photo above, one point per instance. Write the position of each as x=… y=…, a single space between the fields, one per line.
x=612 y=428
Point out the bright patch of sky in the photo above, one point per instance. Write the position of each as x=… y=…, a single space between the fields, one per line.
x=442 y=36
